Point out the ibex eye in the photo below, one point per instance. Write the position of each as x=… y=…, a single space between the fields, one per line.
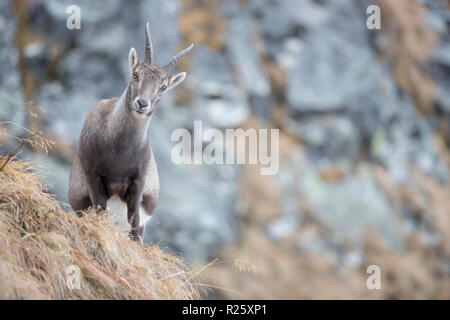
x=135 y=75
x=163 y=88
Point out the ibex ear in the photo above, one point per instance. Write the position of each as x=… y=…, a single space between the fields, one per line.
x=176 y=79
x=133 y=59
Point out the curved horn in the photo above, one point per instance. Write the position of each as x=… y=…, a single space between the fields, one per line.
x=177 y=57
x=148 y=45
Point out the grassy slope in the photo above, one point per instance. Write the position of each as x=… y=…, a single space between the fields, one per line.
x=39 y=241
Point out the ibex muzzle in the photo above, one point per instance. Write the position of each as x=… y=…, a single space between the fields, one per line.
x=114 y=163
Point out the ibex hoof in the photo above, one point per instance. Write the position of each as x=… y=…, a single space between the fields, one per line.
x=137 y=238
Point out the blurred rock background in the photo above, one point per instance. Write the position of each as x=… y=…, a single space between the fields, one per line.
x=364 y=119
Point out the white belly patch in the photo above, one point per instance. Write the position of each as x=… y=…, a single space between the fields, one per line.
x=117 y=210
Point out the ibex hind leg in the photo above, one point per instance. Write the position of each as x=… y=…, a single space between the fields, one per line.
x=146 y=209
x=150 y=195
x=78 y=191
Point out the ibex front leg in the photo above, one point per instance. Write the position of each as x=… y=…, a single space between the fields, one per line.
x=133 y=198
x=97 y=191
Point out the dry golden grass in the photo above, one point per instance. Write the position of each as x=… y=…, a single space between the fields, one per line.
x=40 y=241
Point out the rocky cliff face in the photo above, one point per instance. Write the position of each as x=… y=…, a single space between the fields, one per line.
x=364 y=116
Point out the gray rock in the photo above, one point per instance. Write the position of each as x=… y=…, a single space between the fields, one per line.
x=217 y=99
x=244 y=52
x=87 y=71
x=348 y=206
x=330 y=64
x=404 y=138
x=281 y=19
x=328 y=137
x=65 y=110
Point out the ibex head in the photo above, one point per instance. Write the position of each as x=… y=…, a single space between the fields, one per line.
x=148 y=82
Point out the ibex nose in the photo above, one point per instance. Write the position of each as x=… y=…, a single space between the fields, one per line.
x=142 y=103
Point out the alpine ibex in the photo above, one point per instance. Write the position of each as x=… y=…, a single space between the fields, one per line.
x=114 y=159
